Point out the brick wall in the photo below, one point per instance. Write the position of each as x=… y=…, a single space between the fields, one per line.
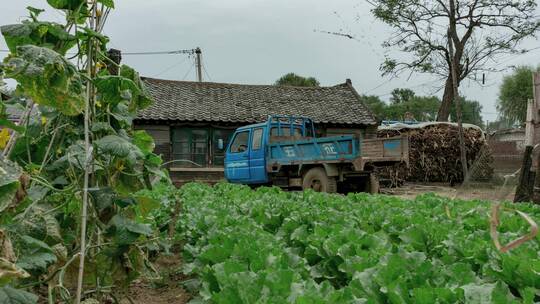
x=182 y=177
x=507 y=156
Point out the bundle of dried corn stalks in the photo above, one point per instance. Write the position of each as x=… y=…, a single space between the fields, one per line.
x=434 y=154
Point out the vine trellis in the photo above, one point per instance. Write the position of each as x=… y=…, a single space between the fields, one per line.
x=69 y=171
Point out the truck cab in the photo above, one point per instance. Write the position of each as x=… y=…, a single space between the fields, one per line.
x=245 y=157
x=284 y=151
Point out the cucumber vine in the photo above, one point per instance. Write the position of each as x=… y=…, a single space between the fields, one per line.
x=69 y=220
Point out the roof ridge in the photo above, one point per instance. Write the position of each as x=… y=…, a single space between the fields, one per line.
x=240 y=84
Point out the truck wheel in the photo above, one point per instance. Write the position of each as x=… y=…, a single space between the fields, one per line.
x=373 y=185
x=317 y=180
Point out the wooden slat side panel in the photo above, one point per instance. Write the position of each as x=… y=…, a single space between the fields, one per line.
x=372 y=148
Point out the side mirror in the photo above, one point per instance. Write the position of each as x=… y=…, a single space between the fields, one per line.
x=220 y=144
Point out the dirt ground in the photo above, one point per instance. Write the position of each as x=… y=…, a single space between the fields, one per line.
x=169 y=290
x=476 y=191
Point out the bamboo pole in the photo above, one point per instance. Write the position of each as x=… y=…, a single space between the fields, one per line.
x=84 y=211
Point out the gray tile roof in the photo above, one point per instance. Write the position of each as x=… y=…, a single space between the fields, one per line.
x=221 y=102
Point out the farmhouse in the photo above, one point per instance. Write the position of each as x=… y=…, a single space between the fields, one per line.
x=191 y=122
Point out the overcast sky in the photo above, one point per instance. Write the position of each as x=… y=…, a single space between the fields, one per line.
x=257 y=41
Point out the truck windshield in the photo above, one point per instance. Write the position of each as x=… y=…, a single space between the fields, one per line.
x=286 y=131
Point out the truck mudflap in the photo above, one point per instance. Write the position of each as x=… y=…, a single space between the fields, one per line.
x=382 y=151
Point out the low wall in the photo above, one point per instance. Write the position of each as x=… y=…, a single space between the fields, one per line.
x=507 y=156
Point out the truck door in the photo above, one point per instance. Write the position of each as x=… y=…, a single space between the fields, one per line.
x=237 y=158
x=257 y=163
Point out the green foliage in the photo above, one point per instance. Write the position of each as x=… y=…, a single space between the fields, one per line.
x=158 y=206
x=471 y=112
x=47 y=77
x=514 y=92
x=421 y=108
x=401 y=95
x=141 y=97
x=66 y=4
x=45 y=34
x=376 y=105
x=10 y=295
x=107 y=3
x=117 y=146
x=9 y=182
x=269 y=246
x=404 y=105
x=35 y=254
x=291 y=79
x=44 y=224
x=143 y=141
x=127 y=231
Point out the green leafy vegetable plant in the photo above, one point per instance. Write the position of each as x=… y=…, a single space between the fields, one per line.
x=270 y=246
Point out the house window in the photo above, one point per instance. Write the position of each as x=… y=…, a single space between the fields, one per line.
x=190 y=147
x=199 y=147
x=256 y=141
x=240 y=142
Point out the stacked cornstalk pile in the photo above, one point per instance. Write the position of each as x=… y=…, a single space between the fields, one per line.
x=434 y=154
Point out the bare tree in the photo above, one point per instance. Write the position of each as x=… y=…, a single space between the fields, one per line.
x=479 y=29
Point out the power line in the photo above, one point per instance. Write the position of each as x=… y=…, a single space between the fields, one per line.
x=176 y=52
x=206 y=72
x=380 y=85
x=189 y=52
x=516 y=56
x=171 y=67
x=189 y=71
x=411 y=87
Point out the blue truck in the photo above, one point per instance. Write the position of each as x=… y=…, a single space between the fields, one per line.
x=284 y=151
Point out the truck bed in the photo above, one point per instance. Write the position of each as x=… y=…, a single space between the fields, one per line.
x=313 y=150
x=337 y=149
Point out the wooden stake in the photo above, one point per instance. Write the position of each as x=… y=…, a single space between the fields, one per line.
x=529 y=123
x=536 y=186
x=523 y=187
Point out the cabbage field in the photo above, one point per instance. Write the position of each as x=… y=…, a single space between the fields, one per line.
x=270 y=246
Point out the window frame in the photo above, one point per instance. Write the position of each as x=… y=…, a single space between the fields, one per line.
x=236 y=135
x=186 y=137
x=260 y=139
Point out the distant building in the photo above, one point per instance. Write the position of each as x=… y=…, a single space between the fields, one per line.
x=188 y=120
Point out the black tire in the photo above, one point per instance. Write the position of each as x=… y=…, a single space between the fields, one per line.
x=317 y=180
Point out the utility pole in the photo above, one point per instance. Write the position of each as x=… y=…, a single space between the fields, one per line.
x=198 y=63
x=457 y=101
